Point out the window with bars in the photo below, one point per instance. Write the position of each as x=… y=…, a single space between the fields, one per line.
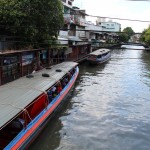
x=69 y=3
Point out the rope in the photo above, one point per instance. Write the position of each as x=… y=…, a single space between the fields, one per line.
x=23 y=109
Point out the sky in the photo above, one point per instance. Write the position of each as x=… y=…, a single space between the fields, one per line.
x=136 y=10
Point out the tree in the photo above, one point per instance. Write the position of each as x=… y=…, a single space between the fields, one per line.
x=129 y=31
x=35 y=22
x=123 y=37
x=126 y=35
x=145 y=36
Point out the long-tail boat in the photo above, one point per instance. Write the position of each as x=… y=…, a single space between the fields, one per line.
x=99 y=56
x=27 y=104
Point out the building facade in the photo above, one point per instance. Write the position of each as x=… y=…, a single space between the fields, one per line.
x=68 y=3
x=74 y=32
x=110 y=26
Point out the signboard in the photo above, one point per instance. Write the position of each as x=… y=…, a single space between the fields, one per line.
x=27 y=59
x=9 y=60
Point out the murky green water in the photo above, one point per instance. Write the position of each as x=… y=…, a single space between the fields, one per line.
x=109 y=108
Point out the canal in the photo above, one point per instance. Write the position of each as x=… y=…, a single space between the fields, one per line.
x=109 y=108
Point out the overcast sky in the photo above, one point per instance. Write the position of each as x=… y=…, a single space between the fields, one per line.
x=137 y=10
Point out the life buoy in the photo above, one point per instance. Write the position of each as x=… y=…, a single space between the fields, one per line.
x=45 y=75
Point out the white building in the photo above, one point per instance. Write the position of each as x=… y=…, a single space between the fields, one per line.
x=109 y=26
x=73 y=33
x=74 y=23
x=68 y=3
x=93 y=30
x=68 y=18
x=100 y=20
x=94 y=34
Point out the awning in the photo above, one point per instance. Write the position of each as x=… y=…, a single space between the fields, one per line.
x=74 y=38
x=103 y=41
x=16 y=95
x=98 y=32
x=62 y=40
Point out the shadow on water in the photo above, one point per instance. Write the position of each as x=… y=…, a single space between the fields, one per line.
x=50 y=136
x=92 y=69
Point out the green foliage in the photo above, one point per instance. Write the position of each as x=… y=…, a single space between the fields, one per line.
x=123 y=37
x=33 y=21
x=145 y=36
x=126 y=35
x=128 y=30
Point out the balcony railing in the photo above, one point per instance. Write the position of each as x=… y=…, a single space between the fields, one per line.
x=68 y=18
x=72 y=33
x=79 y=21
x=63 y=34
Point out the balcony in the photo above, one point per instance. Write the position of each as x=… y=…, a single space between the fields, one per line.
x=80 y=21
x=68 y=18
x=72 y=33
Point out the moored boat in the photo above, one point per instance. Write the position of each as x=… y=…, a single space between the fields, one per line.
x=99 y=56
x=27 y=104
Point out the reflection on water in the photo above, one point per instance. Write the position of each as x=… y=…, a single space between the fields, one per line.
x=109 y=108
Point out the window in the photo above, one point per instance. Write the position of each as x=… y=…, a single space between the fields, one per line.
x=10 y=60
x=69 y=3
x=99 y=56
x=10 y=70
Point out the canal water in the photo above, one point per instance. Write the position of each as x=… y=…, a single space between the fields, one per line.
x=109 y=108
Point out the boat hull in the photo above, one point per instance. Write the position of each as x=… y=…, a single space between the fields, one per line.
x=24 y=139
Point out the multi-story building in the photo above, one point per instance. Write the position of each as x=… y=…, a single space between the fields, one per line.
x=68 y=3
x=94 y=34
x=110 y=26
x=74 y=31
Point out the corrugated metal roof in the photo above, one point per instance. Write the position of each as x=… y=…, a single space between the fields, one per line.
x=16 y=95
x=99 y=52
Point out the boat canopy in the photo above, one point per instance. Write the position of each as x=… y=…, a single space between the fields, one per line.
x=16 y=95
x=99 y=52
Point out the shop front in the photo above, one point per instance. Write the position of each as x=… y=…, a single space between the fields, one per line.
x=28 y=59
x=10 y=68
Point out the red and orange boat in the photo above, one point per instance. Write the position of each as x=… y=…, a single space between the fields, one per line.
x=27 y=104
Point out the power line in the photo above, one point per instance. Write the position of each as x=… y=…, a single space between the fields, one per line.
x=61 y=29
x=89 y=15
x=120 y=18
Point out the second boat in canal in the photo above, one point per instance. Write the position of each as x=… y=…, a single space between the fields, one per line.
x=99 y=56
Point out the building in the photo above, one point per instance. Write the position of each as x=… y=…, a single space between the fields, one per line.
x=94 y=35
x=71 y=45
x=68 y=3
x=74 y=32
x=108 y=26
